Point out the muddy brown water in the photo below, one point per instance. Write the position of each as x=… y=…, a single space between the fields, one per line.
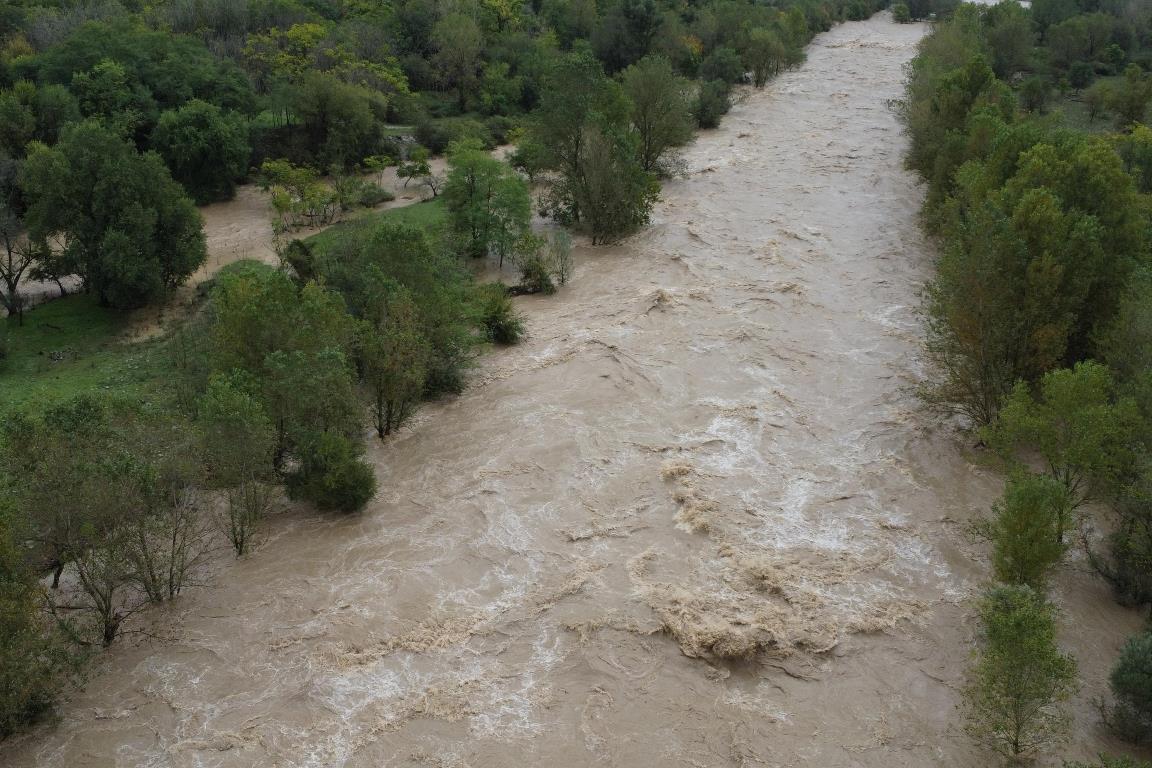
x=707 y=447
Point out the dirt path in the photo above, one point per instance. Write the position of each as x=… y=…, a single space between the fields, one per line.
x=707 y=447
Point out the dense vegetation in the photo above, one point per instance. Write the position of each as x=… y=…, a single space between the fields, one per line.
x=121 y=466
x=1038 y=324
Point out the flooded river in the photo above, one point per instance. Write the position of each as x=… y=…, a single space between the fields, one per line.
x=698 y=519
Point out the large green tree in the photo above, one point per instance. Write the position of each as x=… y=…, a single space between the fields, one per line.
x=487 y=200
x=661 y=110
x=205 y=147
x=115 y=217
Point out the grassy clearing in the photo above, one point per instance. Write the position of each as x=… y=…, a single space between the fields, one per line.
x=70 y=346
x=430 y=215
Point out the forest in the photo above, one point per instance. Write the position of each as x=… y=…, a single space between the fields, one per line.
x=123 y=467
x=1028 y=126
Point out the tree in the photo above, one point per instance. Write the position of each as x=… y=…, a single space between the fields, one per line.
x=1034 y=94
x=35 y=662
x=124 y=226
x=722 y=64
x=237 y=442
x=332 y=474
x=1130 y=97
x=206 y=149
x=661 y=110
x=415 y=167
x=459 y=42
x=1131 y=683
x=1024 y=530
x=1021 y=678
x=766 y=54
x=487 y=201
x=1082 y=433
x=712 y=103
x=1098 y=99
x=613 y=192
x=19 y=254
x=393 y=355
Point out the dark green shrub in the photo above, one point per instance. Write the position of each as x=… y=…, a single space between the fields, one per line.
x=1131 y=683
x=722 y=64
x=901 y=14
x=332 y=475
x=501 y=322
x=437 y=134
x=712 y=103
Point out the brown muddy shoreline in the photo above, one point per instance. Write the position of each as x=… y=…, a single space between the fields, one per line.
x=708 y=445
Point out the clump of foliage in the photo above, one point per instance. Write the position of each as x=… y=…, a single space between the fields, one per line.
x=1021 y=678
x=1131 y=683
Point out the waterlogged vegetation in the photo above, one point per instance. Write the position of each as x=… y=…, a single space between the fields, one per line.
x=1028 y=125
x=125 y=465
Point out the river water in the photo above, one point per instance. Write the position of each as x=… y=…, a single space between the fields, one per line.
x=698 y=519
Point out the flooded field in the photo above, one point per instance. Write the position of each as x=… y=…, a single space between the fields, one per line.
x=698 y=519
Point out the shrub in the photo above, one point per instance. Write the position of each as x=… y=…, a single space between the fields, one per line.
x=1112 y=762
x=723 y=64
x=332 y=475
x=501 y=322
x=901 y=14
x=712 y=103
x=1131 y=683
x=535 y=275
x=437 y=134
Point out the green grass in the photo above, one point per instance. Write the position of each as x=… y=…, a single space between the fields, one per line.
x=430 y=215
x=72 y=346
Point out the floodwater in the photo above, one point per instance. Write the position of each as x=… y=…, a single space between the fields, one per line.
x=698 y=519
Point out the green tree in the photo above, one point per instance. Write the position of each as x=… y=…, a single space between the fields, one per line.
x=332 y=474
x=393 y=355
x=723 y=64
x=206 y=149
x=661 y=110
x=487 y=201
x=237 y=442
x=712 y=103
x=1021 y=678
x=459 y=42
x=1083 y=434
x=35 y=662
x=613 y=192
x=1131 y=683
x=766 y=54
x=1024 y=530
x=127 y=229
x=1130 y=97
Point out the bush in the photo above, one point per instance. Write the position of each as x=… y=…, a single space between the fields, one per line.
x=535 y=275
x=712 y=103
x=1112 y=762
x=332 y=475
x=901 y=14
x=437 y=134
x=500 y=127
x=501 y=322
x=723 y=64
x=1131 y=683
x=1034 y=93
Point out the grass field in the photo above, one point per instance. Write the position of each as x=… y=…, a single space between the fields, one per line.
x=430 y=215
x=70 y=346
